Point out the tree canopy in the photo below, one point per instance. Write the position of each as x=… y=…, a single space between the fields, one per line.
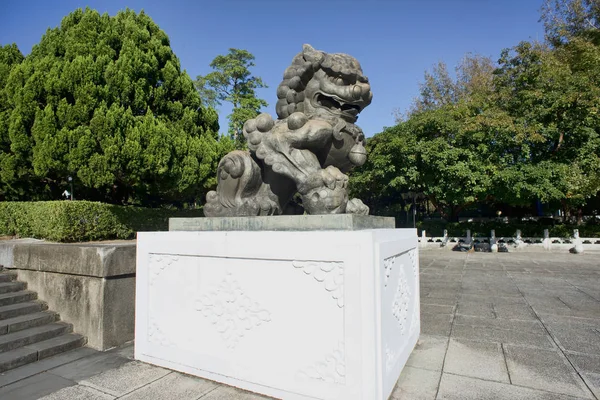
x=233 y=82
x=103 y=99
x=521 y=130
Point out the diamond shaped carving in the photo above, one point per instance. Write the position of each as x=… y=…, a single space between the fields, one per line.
x=400 y=302
x=231 y=311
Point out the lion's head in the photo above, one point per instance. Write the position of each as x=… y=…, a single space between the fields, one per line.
x=324 y=85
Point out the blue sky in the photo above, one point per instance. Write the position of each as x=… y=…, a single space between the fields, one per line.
x=394 y=40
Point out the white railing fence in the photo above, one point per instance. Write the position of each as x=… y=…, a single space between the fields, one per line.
x=574 y=243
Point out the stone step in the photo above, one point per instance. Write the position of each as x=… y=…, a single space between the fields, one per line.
x=17 y=297
x=29 y=336
x=17 y=357
x=59 y=344
x=7 y=287
x=28 y=307
x=27 y=321
x=7 y=276
x=37 y=351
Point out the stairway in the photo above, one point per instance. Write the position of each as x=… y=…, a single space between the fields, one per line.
x=28 y=330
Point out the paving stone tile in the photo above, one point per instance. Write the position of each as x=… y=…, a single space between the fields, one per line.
x=436 y=309
x=429 y=352
x=575 y=335
x=514 y=337
x=591 y=290
x=588 y=366
x=125 y=379
x=565 y=311
x=482 y=360
x=125 y=351
x=34 y=387
x=474 y=298
x=546 y=370
x=593 y=382
x=28 y=370
x=492 y=292
x=416 y=384
x=566 y=321
x=173 y=386
x=501 y=323
x=482 y=309
x=585 y=362
x=442 y=294
x=231 y=393
x=454 y=387
x=436 y=324
x=90 y=366
x=437 y=301
x=514 y=311
x=78 y=392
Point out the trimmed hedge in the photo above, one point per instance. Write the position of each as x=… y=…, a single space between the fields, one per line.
x=80 y=221
x=482 y=229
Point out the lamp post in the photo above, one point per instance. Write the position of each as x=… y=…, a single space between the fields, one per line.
x=413 y=196
x=410 y=196
x=71 y=182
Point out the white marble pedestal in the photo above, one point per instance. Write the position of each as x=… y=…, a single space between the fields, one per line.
x=293 y=315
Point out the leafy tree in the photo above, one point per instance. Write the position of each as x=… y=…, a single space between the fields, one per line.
x=474 y=76
x=233 y=82
x=390 y=170
x=525 y=129
x=103 y=99
x=10 y=56
x=567 y=19
x=451 y=155
x=449 y=144
x=553 y=95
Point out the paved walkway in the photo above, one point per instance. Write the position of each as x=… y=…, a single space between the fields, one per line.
x=494 y=326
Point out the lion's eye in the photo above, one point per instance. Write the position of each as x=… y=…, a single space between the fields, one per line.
x=337 y=80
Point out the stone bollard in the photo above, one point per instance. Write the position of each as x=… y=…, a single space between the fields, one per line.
x=445 y=239
x=519 y=239
x=493 y=244
x=546 y=241
x=423 y=238
x=468 y=236
x=578 y=249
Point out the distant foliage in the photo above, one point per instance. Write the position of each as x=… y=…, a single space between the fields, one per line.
x=232 y=81
x=565 y=20
x=524 y=129
x=474 y=78
x=103 y=99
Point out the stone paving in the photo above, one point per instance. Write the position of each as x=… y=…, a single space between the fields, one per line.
x=494 y=326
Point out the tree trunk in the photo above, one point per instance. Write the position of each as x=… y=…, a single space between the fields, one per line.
x=565 y=209
x=453 y=214
x=579 y=216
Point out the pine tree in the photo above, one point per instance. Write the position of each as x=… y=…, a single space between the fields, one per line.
x=104 y=100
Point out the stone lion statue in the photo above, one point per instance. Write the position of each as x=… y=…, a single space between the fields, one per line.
x=308 y=150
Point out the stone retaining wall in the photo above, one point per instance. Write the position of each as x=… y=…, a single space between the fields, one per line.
x=91 y=285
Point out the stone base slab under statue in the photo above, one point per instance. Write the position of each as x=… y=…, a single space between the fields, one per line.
x=330 y=314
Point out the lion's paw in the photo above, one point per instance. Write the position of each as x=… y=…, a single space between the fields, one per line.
x=356 y=206
x=329 y=194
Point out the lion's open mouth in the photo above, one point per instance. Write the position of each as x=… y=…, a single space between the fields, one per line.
x=333 y=104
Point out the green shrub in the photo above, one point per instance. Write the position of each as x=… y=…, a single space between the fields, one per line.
x=78 y=221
